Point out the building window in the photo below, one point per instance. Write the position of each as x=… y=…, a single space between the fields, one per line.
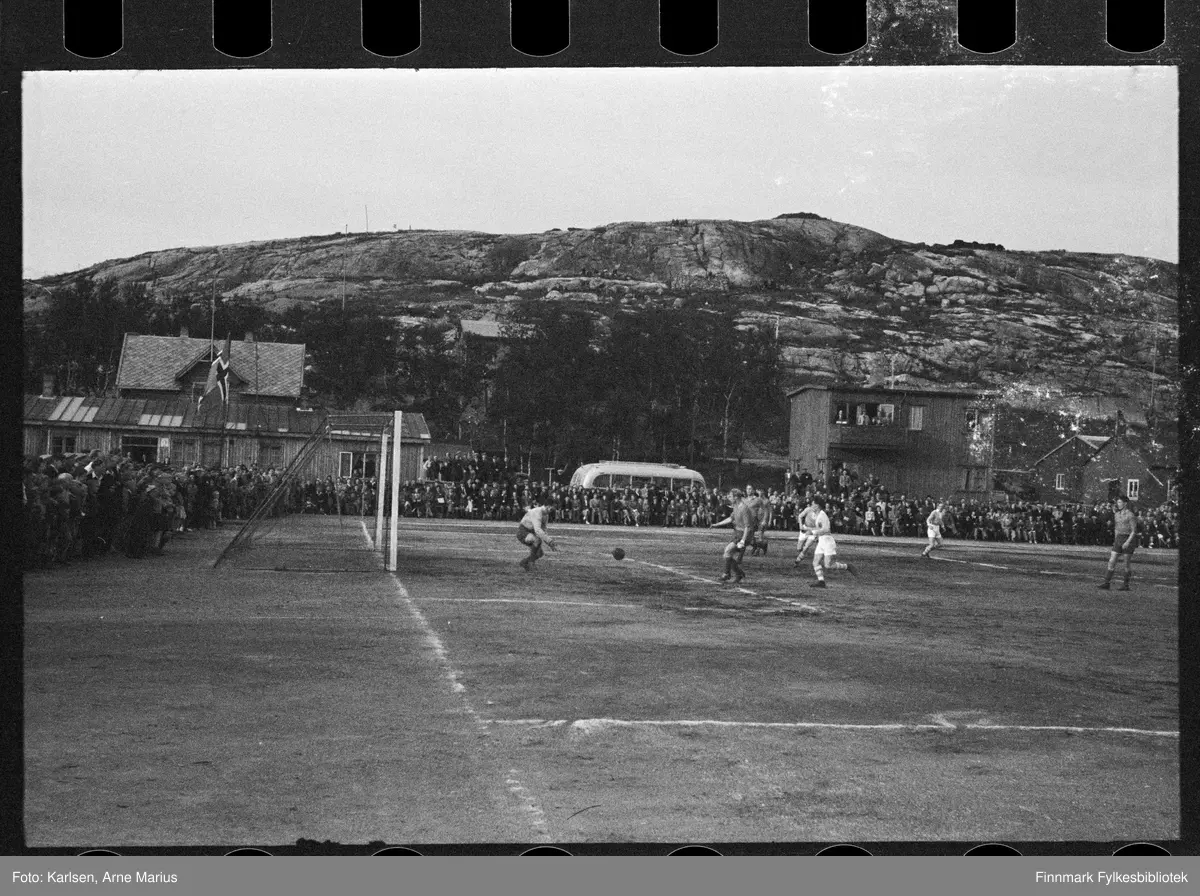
x=887 y=414
x=140 y=449
x=270 y=454
x=185 y=451
x=1132 y=488
x=842 y=413
x=62 y=443
x=871 y=413
x=1060 y=482
x=916 y=418
x=357 y=463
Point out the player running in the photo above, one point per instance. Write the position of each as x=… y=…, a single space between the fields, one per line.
x=1124 y=542
x=823 y=556
x=531 y=531
x=807 y=539
x=933 y=528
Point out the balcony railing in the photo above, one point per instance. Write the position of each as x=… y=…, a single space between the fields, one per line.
x=850 y=436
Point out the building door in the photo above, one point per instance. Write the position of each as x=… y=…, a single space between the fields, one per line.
x=212 y=453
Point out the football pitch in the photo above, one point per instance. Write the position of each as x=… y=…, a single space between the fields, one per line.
x=991 y=693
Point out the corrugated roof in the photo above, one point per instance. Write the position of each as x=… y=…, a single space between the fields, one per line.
x=182 y=413
x=898 y=391
x=158 y=362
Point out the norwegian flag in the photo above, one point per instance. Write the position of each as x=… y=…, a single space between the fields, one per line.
x=218 y=374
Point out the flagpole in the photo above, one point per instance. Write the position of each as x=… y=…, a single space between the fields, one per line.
x=225 y=395
x=212 y=329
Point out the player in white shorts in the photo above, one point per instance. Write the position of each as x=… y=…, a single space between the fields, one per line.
x=933 y=528
x=823 y=556
x=806 y=539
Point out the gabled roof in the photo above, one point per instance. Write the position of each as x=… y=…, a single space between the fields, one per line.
x=159 y=362
x=1093 y=443
x=1096 y=442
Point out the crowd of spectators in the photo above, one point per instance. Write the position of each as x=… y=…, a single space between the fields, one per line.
x=81 y=506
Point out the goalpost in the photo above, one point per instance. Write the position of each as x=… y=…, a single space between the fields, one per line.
x=387 y=513
x=338 y=531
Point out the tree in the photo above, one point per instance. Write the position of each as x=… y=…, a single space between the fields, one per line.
x=545 y=379
x=350 y=351
x=681 y=379
x=80 y=336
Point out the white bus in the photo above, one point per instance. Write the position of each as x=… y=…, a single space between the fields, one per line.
x=625 y=474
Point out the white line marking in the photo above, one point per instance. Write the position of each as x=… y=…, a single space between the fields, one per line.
x=739 y=588
x=940 y=724
x=536 y=816
x=1044 y=572
x=527 y=600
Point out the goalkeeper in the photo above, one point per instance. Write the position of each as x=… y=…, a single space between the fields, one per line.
x=531 y=532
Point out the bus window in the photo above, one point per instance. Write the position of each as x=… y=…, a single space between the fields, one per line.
x=640 y=481
x=620 y=481
x=661 y=482
x=601 y=481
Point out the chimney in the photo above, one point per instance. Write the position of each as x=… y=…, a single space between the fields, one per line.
x=47 y=385
x=183 y=331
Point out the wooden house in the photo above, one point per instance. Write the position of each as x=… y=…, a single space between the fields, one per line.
x=157 y=415
x=1092 y=469
x=917 y=442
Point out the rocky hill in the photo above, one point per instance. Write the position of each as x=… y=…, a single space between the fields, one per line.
x=1090 y=331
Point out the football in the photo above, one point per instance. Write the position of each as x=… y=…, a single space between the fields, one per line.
x=619 y=553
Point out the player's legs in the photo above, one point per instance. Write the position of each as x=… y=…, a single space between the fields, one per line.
x=738 y=554
x=727 y=555
x=803 y=543
x=535 y=550
x=1112 y=567
x=1128 y=570
x=819 y=561
x=1114 y=556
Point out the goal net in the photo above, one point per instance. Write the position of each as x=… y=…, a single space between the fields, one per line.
x=333 y=508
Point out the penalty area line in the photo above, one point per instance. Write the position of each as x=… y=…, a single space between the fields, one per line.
x=1043 y=572
x=589 y=725
x=528 y=600
x=707 y=581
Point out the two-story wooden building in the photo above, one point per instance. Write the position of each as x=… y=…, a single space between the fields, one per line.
x=1092 y=469
x=917 y=442
x=157 y=415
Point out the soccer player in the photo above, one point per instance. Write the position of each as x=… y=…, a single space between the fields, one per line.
x=823 y=556
x=933 y=528
x=807 y=539
x=532 y=532
x=1125 y=536
x=745 y=523
x=763 y=513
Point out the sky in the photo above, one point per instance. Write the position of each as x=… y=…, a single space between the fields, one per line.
x=116 y=164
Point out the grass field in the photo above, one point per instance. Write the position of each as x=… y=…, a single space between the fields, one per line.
x=990 y=694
